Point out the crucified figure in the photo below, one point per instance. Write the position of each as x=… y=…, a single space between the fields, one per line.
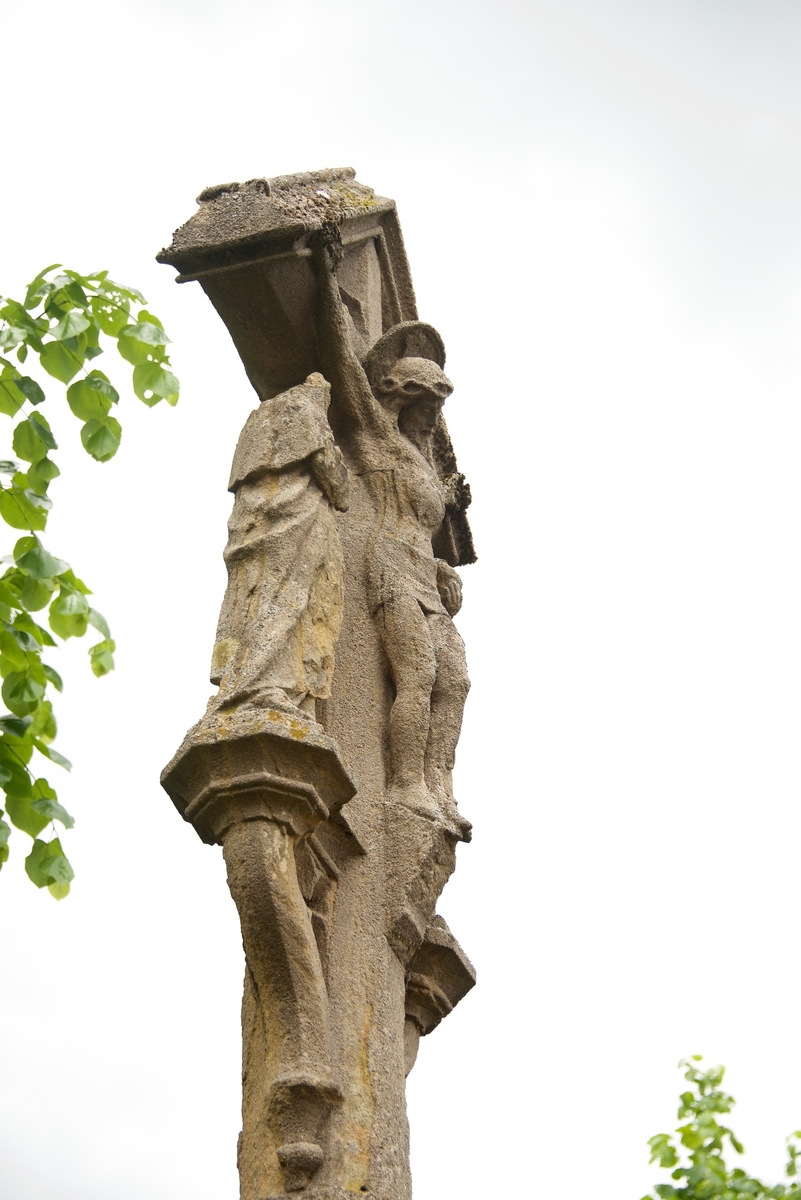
x=391 y=405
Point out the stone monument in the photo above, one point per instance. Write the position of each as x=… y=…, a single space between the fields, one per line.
x=323 y=763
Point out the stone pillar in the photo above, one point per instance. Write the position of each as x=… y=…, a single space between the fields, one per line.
x=336 y=856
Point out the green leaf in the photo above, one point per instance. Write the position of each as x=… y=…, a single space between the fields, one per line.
x=12 y=652
x=43 y=428
x=70 y=325
x=5 y=832
x=60 y=361
x=23 y=545
x=30 y=388
x=28 y=441
x=15 y=757
x=43 y=725
x=102 y=658
x=91 y=398
x=52 y=754
x=102 y=438
x=39 y=563
x=53 y=677
x=111 y=311
x=11 y=398
x=9 y=589
x=16 y=314
x=146 y=331
x=126 y=290
x=25 y=640
x=53 y=811
x=74 y=292
x=15 y=725
x=99 y=622
x=40 y=287
x=23 y=621
x=69 y=615
x=11 y=336
x=142 y=342
x=47 y=864
x=21 y=692
x=22 y=509
x=151 y=318
x=152 y=382
x=24 y=816
x=41 y=474
x=77 y=585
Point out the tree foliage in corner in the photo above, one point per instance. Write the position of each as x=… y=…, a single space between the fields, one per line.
x=60 y=321
x=695 y=1156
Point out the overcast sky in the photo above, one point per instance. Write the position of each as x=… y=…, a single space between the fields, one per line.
x=601 y=202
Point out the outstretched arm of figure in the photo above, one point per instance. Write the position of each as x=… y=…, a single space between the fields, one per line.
x=350 y=389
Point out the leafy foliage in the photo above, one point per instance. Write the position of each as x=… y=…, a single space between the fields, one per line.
x=61 y=321
x=697 y=1163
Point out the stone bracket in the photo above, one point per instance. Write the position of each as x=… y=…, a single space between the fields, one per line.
x=254 y=796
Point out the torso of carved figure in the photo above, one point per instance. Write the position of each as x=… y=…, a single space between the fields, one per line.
x=410 y=508
x=410 y=505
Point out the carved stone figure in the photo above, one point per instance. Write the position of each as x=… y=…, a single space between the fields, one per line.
x=251 y=773
x=282 y=610
x=394 y=401
x=323 y=765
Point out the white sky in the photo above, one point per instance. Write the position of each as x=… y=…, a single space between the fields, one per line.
x=601 y=206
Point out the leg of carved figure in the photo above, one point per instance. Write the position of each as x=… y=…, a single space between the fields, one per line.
x=447 y=706
x=290 y=1000
x=407 y=643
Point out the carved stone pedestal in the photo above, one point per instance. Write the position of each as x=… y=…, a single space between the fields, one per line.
x=252 y=783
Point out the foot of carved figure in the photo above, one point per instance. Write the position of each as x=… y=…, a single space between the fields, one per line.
x=455 y=824
x=416 y=798
x=440 y=786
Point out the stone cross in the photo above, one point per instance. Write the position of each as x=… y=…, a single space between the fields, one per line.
x=323 y=762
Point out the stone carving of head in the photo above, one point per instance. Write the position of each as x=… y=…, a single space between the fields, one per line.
x=413 y=381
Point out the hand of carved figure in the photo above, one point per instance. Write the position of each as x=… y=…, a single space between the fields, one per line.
x=326 y=249
x=328 y=468
x=449 y=586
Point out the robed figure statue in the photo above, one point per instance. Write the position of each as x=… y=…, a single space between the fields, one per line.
x=282 y=611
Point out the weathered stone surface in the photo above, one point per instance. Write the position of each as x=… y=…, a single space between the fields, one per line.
x=248 y=245
x=323 y=764
x=438 y=976
x=253 y=781
x=282 y=610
